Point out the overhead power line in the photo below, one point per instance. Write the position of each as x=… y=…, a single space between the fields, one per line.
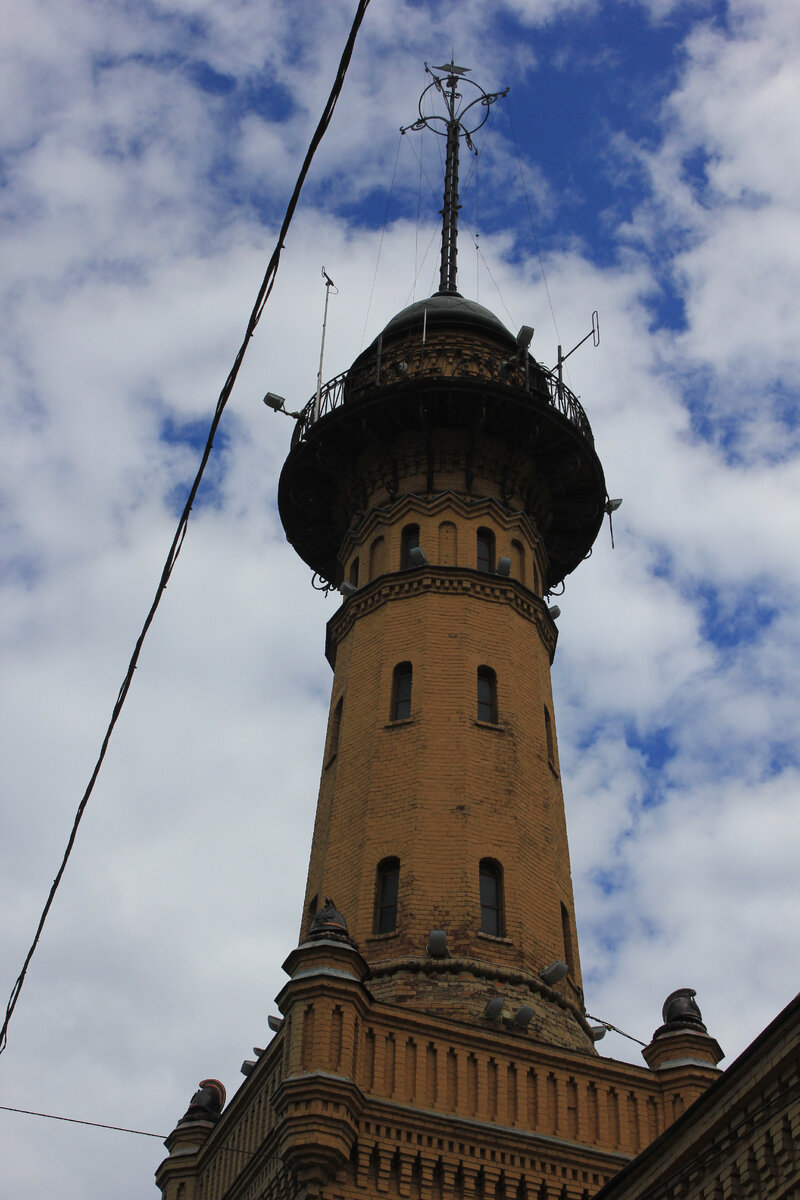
x=264 y=291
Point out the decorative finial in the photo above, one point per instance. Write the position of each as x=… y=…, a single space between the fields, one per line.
x=453 y=124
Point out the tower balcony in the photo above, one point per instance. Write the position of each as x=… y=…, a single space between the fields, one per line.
x=444 y=388
x=471 y=360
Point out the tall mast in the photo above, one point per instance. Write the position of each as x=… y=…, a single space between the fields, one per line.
x=453 y=124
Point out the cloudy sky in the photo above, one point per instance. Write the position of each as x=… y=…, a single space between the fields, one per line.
x=649 y=149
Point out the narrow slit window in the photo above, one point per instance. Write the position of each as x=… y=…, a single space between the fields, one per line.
x=386 y=892
x=548 y=733
x=485 y=550
x=409 y=541
x=566 y=929
x=401 y=692
x=491 y=890
x=487 y=695
x=333 y=734
x=354 y=572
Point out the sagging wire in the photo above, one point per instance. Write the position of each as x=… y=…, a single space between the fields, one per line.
x=264 y=292
x=31 y=1112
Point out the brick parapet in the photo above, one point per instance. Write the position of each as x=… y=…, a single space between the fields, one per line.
x=411 y=1093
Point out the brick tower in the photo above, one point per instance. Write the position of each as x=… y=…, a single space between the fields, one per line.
x=434 y=1041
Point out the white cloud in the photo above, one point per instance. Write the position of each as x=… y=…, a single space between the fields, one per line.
x=129 y=267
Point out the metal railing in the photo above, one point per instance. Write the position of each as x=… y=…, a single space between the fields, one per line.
x=443 y=360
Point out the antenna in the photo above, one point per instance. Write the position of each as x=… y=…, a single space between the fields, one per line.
x=328 y=285
x=594 y=334
x=453 y=126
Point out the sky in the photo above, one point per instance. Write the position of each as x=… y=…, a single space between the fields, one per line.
x=643 y=164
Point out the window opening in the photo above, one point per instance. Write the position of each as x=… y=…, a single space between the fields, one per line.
x=409 y=540
x=485 y=550
x=491 y=892
x=354 y=572
x=566 y=928
x=336 y=722
x=548 y=733
x=401 y=691
x=386 y=895
x=376 y=555
x=518 y=561
x=487 y=695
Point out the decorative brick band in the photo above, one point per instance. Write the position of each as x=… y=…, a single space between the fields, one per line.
x=452 y=581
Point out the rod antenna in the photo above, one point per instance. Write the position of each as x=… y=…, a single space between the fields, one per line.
x=328 y=285
x=462 y=117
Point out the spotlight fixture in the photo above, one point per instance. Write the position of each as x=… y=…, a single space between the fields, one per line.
x=597 y=1032
x=503 y=567
x=347 y=589
x=275 y=402
x=417 y=556
x=554 y=612
x=554 y=972
x=612 y=505
x=494 y=1008
x=525 y=336
x=437 y=944
x=523 y=1015
x=274 y=1023
x=247 y=1066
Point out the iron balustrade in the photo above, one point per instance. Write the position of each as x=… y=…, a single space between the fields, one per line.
x=442 y=360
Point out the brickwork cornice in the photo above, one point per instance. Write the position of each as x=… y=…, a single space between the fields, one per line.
x=443 y=581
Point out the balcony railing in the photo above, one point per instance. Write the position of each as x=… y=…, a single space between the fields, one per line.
x=441 y=360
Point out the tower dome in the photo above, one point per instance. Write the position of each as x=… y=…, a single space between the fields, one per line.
x=446 y=373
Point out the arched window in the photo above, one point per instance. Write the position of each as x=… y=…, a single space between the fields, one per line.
x=566 y=929
x=487 y=695
x=354 y=572
x=447 y=544
x=518 y=561
x=333 y=730
x=485 y=549
x=386 y=890
x=548 y=733
x=491 y=889
x=376 y=558
x=409 y=539
x=401 y=692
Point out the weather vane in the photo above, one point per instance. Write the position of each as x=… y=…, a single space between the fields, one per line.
x=453 y=124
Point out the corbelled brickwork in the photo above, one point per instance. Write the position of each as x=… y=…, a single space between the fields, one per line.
x=355 y=1098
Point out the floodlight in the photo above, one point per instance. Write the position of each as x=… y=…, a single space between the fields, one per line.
x=274 y=402
x=347 y=589
x=554 y=972
x=523 y=1015
x=417 y=556
x=503 y=566
x=494 y=1008
x=258 y=1051
x=247 y=1066
x=554 y=612
x=612 y=505
x=525 y=336
x=437 y=944
x=597 y=1032
x=274 y=1023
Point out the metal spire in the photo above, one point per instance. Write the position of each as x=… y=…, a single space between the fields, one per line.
x=452 y=125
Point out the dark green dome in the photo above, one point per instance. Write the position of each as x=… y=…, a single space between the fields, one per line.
x=446 y=308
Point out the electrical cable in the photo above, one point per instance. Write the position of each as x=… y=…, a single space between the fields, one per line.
x=31 y=1112
x=264 y=292
x=608 y=1025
